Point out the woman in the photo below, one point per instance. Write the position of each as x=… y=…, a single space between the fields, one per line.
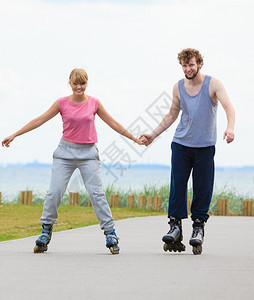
x=77 y=149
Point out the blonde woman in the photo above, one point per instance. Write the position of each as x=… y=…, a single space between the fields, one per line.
x=77 y=149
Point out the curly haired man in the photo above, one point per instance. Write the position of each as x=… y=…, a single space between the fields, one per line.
x=193 y=147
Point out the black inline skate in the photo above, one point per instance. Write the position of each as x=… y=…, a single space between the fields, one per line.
x=112 y=241
x=173 y=239
x=197 y=237
x=44 y=239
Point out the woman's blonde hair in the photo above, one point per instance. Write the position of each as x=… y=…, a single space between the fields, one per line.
x=78 y=76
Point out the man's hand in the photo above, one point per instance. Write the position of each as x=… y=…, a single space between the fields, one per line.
x=140 y=141
x=149 y=138
x=229 y=136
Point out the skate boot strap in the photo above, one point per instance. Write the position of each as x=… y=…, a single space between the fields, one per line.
x=111 y=233
x=46 y=228
x=198 y=223
x=172 y=229
x=112 y=236
x=44 y=237
x=175 y=222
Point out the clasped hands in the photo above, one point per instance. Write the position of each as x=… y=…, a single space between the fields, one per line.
x=145 y=139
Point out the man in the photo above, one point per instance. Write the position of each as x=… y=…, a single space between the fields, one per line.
x=193 y=147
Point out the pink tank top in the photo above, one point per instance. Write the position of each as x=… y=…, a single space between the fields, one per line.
x=78 y=120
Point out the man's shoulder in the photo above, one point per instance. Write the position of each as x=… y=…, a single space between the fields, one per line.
x=176 y=84
x=215 y=83
x=176 y=93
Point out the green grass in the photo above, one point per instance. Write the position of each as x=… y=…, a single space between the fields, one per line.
x=18 y=221
x=235 y=200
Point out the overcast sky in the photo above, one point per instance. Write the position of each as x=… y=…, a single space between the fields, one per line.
x=129 y=50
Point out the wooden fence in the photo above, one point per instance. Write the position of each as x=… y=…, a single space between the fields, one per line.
x=114 y=200
x=248 y=208
x=26 y=197
x=142 y=202
x=223 y=207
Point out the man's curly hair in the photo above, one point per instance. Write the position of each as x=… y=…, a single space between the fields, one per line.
x=187 y=54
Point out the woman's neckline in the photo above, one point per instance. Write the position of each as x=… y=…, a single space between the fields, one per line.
x=79 y=103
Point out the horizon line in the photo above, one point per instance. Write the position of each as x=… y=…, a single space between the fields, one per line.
x=37 y=164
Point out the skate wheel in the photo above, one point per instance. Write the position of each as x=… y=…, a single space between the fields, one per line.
x=197 y=250
x=182 y=248
x=168 y=247
x=40 y=249
x=114 y=250
x=165 y=247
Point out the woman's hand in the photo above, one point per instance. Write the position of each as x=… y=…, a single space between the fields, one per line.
x=148 y=139
x=6 y=142
x=141 y=141
x=49 y=114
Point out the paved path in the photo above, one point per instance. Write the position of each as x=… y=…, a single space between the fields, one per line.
x=78 y=266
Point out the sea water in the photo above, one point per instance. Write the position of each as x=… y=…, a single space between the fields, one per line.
x=37 y=179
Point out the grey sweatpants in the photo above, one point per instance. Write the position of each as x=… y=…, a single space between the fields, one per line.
x=66 y=158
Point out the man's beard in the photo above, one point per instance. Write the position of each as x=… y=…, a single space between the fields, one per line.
x=194 y=75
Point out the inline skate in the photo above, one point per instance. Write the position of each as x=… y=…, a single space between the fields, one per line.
x=173 y=239
x=112 y=241
x=197 y=237
x=44 y=239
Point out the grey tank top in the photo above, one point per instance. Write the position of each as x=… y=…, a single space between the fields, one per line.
x=197 y=127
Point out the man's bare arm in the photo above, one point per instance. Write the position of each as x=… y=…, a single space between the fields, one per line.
x=168 y=120
x=171 y=116
x=221 y=94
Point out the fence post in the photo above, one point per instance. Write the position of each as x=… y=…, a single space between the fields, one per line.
x=247 y=207
x=130 y=201
x=89 y=203
x=250 y=207
x=26 y=197
x=111 y=204
x=149 y=204
x=73 y=199
x=22 y=197
x=158 y=203
x=76 y=199
x=141 y=201
x=222 y=207
x=114 y=200
x=30 y=197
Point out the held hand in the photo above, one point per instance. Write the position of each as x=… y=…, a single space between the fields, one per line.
x=229 y=136
x=6 y=142
x=141 y=141
x=149 y=139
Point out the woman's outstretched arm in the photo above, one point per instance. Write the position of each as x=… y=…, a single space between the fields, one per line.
x=49 y=114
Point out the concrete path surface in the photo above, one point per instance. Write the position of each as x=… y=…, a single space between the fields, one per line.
x=78 y=266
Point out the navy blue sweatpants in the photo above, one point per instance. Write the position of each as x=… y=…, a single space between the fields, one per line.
x=201 y=162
